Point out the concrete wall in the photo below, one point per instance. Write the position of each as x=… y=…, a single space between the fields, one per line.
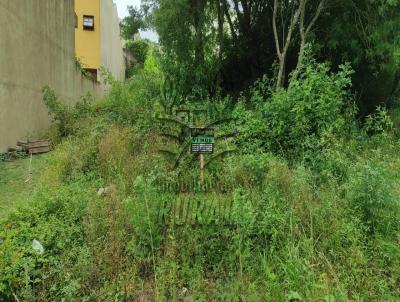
x=36 y=48
x=112 y=56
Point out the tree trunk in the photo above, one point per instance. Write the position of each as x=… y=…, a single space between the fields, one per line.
x=279 y=83
x=229 y=19
x=220 y=12
x=198 y=16
x=304 y=31
x=282 y=51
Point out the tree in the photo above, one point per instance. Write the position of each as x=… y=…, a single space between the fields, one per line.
x=188 y=39
x=364 y=33
x=303 y=15
x=226 y=45
x=131 y=24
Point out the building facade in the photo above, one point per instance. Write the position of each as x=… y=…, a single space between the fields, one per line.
x=37 y=48
x=39 y=45
x=97 y=37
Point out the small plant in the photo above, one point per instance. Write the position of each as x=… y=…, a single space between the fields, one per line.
x=371 y=192
x=86 y=74
x=58 y=110
x=379 y=122
x=12 y=155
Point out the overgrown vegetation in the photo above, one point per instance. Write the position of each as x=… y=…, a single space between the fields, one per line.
x=12 y=155
x=223 y=46
x=303 y=207
x=81 y=67
x=135 y=47
x=18 y=177
x=311 y=212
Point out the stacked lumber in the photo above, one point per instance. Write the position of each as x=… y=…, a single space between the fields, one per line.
x=35 y=147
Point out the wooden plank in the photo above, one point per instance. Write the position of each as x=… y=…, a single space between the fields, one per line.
x=22 y=143
x=38 y=150
x=15 y=149
x=37 y=144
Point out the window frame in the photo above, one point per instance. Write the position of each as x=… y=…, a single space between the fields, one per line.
x=87 y=27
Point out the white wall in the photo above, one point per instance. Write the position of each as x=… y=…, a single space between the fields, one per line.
x=112 y=56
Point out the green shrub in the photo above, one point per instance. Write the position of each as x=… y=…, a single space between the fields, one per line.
x=132 y=103
x=371 y=192
x=379 y=122
x=55 y=219
x=139 y=50
x=66 y=116
x=293 y=122
x=58 y=110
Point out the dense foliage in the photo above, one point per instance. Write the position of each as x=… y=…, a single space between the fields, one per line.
x=132 y=23
x=222 y=45
x=305 y=210
x=299 y=202
x=299 y=122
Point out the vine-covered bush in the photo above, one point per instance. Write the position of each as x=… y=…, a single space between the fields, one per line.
x=66 y=116
x=293 y=122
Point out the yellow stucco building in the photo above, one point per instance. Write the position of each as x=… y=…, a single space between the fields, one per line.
x=97 y=37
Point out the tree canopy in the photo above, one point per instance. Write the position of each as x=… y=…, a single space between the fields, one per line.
x=212 y=46
x=131 y=24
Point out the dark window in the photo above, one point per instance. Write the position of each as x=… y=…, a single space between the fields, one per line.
x=92 y=72
x=76 y=21
x=88 y=22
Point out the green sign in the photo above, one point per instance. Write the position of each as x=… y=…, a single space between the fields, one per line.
x=203 y=140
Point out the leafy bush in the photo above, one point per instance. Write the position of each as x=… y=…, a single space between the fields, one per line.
x=66 y=116
x=133 y=102
x=56 y=221
x=371 y=192
x=139 y=50
x=294 y=122
x=58 y=110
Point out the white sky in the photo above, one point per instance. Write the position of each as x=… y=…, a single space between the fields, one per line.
x=122 y=4
x=123 y=12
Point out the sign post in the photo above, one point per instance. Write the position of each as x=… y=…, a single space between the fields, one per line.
x=202 y=167
x=202 y=142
